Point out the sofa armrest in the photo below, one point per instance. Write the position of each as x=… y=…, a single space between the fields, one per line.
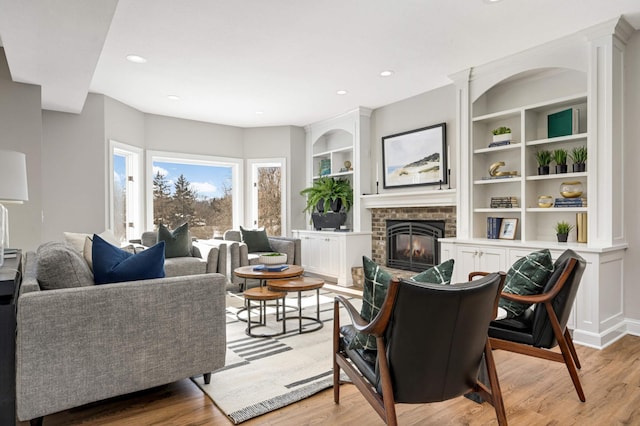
x=291 y=246
x=80 y=345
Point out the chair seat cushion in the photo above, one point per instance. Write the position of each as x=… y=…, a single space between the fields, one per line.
x=180 y=266
x=364 y=359
x=527 y=276
x=518 y=329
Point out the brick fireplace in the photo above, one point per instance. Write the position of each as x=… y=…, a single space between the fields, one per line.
x=380 y=216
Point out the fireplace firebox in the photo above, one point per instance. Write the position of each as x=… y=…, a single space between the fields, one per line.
x=412 y=245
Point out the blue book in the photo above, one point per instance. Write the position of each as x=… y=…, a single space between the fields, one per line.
x=270 y=268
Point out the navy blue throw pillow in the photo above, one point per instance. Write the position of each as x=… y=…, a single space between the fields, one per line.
x=111 y=264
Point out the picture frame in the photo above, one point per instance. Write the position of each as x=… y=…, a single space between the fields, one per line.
x=508 y=229
x=414 y=158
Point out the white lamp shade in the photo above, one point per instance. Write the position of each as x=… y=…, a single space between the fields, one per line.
x=13 y=177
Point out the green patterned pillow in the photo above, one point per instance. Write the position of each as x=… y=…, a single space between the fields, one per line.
x=376 y=283
x=526 y=276
x=439 y=274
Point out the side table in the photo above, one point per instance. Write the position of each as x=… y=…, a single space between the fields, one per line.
x=10 y=278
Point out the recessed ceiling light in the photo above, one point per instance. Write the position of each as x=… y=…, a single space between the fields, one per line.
x=259 y=112
x=491 y=1
x=173 y=97
x=341 y=92
x=386 y=73
x=136 y=59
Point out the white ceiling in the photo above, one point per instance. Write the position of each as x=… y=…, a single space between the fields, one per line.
x=228 y=59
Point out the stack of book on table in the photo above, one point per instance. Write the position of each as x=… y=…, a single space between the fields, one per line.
x=570 y=202
x=499 y=143
x=493 y=227
x=504 y=202
x=270 y=268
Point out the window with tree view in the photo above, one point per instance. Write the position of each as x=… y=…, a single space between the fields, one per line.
x=193 y=192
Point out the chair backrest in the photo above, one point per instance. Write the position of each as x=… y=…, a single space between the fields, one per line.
x=542 y=332
x=436 y=337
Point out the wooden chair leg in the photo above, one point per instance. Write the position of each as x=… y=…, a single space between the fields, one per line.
x=572 y=348
x=336 y=348
x=37 y=421
x=496 y=393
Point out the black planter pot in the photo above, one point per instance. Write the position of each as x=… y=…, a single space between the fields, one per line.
x=561 y=168
x=562 y=238
x=336 y=205
x=579 y=167
x=328 y=220
x=543 y=170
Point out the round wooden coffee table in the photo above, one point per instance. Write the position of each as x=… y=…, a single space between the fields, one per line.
x=262 y=295
x=299 y=285
x=247 y=272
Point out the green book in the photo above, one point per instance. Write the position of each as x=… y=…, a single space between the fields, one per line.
x=562 y=123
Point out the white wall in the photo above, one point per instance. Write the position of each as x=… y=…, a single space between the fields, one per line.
x=426 y=109
x=631 y=177
x=73 y=169
x=21 y=130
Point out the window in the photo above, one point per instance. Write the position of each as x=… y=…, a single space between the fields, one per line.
x=125 y=207
x=204 y=191
x=268 y=195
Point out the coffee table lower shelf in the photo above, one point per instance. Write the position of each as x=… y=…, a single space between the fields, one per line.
x=299 y=285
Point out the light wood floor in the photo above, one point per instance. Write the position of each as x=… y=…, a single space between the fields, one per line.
x=536 y=392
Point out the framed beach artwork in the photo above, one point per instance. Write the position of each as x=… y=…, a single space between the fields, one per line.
x=416 y=157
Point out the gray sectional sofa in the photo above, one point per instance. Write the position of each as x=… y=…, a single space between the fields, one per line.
x=88 y=342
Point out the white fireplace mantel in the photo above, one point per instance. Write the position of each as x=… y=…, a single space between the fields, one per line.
x=434 y=198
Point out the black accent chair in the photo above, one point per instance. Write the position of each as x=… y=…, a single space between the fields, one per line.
x=535 y=332
x=430 y=340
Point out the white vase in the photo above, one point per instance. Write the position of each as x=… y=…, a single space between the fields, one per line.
x=502 y=137
x=273 y=260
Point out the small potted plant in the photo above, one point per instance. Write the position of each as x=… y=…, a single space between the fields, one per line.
x=501 y=133
x=543 y=158
x=560 y=157
x=562 y=231
x=579 y=157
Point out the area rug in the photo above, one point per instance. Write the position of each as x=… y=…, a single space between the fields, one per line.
x=264 y=374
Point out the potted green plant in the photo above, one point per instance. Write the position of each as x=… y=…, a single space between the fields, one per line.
x=328 y=201
x=501 y=133
x=560 y=157
x=562 y=231
x=543 y=158
x=579 y=157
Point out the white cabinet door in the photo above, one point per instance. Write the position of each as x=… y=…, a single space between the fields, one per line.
x=478 y=258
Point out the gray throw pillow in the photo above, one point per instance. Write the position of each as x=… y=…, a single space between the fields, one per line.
x=61 y=266
x=177 y=243
x=527 y=276
x=256 y=240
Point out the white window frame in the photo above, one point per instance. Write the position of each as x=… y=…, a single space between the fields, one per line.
x=252 y=167
x=135 y=209
x=236 y=165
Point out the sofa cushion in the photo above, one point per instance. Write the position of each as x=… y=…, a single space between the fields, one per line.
x=256 y=240
x=177 y=242
x=112 y=264
x=527 y=276
x=77 y=239
x=376 y=283
x=180 y=266
x=61 y=266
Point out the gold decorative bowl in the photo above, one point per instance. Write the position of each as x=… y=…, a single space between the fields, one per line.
x=545 y=201
x=571 y=189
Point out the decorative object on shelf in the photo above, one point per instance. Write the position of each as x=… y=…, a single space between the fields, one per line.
x=570 y=202
x=273 y=258
x=562 y=231
x=501 y=134
x=504 y=202
x=563 y=123
x=579 y=157
x=325 y=167
x=414 y=158
x=543 y=157
x=347 y=165
x=545 y=201
x=581 y=227
x=571 y=189
x=508 y=228
x=560 y=157
x=328 y=196
x=13 y=189
x=494 y=172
